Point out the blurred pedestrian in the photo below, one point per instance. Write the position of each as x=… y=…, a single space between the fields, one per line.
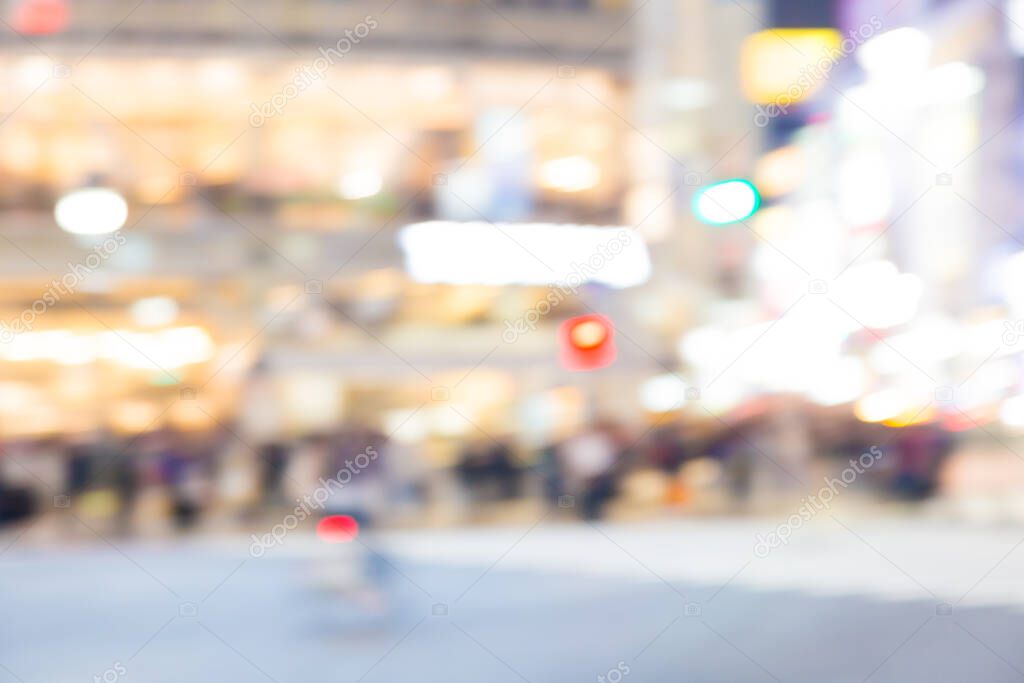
x=587 y=459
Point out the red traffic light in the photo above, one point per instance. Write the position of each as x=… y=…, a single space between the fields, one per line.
x=337 y=529
x=586 y=342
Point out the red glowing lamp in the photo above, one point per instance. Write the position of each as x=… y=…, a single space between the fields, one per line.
x=586 y=342
x=337 y=529
x=40 y=17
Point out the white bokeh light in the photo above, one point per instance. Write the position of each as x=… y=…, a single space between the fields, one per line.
x=91 y=211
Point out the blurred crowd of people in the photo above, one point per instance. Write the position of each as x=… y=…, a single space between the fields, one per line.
x=189 y=478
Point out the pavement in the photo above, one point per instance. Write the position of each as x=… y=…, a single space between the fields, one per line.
x=699 y=600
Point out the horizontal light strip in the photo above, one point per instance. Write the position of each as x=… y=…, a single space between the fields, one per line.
x=524 y=253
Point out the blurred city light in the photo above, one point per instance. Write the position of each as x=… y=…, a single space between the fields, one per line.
x=570 y=174
x=844 y=381
x=864 y=188
x=171 y=347
x=663 y=393
x=360 y=184
x=337 y=529
x=687 y=94
x=883 y=405
x=775 y=63
x=91 y=211
x=878 y=296
x=899 y=54
x=479 y=253
x=947 y=83
x=728 y=201
x=155 y=311
x=586 y=343
x=39 y=17
x=1012 y=412
x=781 y=171
x=1015 y=24
x=459 y=335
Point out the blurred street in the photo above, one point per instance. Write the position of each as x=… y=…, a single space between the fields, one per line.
x=511 y=341
x=845 y=600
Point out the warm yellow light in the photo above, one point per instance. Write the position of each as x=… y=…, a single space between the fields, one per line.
x=786 y=66
x=911 y=416
x=154 y=311
x=776 y=223
x=570 y=174
x=881 y=406
x=780 y=171
x=588 y=335
x=192 y=415
x=168 y=348
x=133 y=417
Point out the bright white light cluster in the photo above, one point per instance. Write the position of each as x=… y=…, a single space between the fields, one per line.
x=726 y=202
x=524 y=253
x=570 y=174
x=1015 y=24
x=788 y=354
x=91 y=211
x=900 y=53
x=663 y=393
x=802 y=351
x=166 y=349
x=877 y=295
x=154 y=311
x=360 y=184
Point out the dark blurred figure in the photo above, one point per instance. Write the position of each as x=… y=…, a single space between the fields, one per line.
x=110 y=468
x=734 y=449
x=356 y=484
x=552 y=477
x=489 y=472
x=667 y=450
x=79 y=467
x=920 y=451
x=274 y=460
x=126 y=484
x=588 y=460
x=17 y=502
x=355 y=476
x=187 y=477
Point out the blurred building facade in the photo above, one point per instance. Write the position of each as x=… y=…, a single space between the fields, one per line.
x=272 y=154
x=269 y=154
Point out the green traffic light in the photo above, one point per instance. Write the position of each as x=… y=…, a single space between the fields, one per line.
x=725 y=202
